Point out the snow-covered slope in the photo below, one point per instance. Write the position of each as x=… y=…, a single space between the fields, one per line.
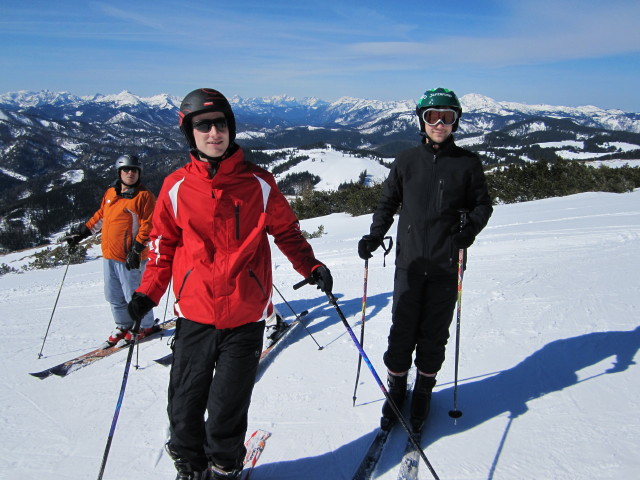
x=335 y=168
x=549 y=384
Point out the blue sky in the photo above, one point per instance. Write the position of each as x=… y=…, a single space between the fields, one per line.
x=560 y=52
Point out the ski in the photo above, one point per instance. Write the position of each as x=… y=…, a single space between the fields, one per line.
x=255 y=445
x=65 y=368
x=273 y=340
x=410 y=461
x=370 y=459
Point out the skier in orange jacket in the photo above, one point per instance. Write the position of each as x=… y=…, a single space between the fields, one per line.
x=124 y=218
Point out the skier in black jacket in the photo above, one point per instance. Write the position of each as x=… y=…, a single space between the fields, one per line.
x=431 y=184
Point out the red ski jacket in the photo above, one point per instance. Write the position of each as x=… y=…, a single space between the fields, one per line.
x=210 y=234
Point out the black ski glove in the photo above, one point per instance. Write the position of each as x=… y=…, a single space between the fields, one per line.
x=321 y=277
x=139 y=306
x=367 y=245
x=133 y=257
x=463 y=238
x=76 y=235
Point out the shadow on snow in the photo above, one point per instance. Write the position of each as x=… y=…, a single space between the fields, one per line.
x=551 y=369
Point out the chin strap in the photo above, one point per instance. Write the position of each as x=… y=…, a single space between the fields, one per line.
x=214 y=162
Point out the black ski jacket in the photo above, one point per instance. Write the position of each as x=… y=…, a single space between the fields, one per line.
x=431 y=187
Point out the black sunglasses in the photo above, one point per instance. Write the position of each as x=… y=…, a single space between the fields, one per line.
x=129 y=169
x=204 y=126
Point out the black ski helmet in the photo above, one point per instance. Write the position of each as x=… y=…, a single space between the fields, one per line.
x=200 y=101
x=438 y=97
x=131 y=161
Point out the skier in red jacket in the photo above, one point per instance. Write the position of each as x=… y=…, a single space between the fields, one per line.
x=209 y=235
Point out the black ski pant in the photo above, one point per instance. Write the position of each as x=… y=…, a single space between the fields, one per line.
x=213 y=371
x=421 y=316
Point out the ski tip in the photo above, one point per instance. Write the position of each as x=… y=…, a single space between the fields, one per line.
x=41 y=375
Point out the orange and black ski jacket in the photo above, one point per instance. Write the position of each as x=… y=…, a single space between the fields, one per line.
x=210 y=236
x=123 y=220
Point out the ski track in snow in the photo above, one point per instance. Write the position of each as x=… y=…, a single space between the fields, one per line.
x=548 y=380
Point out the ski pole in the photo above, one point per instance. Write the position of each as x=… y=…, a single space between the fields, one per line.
x=297 y=317
x=333 y=301
x=166 y=305
x=455 y=413
x=56 y=302
x=364 y=308
x=127 y=366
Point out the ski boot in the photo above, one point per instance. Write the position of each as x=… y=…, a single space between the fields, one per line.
x=144 y=332
x=118 y=334
x=421 y=401
x=397 y=391
x=184 y=468
x=219 y=472
x=274 y=326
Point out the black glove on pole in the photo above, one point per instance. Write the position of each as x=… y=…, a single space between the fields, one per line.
x=138 y=307
x=367 y=245
x=321 y=277
x=74 y=236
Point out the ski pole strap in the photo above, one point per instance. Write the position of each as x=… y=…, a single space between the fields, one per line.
x=387 y=250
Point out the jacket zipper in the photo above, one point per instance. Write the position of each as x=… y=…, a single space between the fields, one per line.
x=440 y=194
x=237 y=210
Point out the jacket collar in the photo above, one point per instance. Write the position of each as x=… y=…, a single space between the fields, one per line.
x=224 y=167
x=446 y=145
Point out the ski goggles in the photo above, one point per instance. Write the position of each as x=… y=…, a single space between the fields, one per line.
x=204 y=126
x=433 y=116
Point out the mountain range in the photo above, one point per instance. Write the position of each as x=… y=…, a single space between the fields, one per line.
x=57 y=149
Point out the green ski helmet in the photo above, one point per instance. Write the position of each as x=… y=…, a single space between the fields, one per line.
x=438 y=97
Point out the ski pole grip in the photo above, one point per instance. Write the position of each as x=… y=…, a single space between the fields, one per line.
x=302 y=283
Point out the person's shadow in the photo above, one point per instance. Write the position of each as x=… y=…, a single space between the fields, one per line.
x=320 y=317
x=552 y=368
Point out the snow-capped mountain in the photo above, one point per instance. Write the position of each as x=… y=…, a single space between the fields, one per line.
x=347 y=112
x=480 y=106
x=57 y=149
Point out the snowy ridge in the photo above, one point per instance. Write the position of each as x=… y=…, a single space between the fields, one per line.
x=548 y=363
x=346 y=111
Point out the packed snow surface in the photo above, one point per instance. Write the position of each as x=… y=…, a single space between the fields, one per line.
x=548 y=381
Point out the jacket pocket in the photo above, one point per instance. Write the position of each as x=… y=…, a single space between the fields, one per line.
x=184 y=282
x=253 y=275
